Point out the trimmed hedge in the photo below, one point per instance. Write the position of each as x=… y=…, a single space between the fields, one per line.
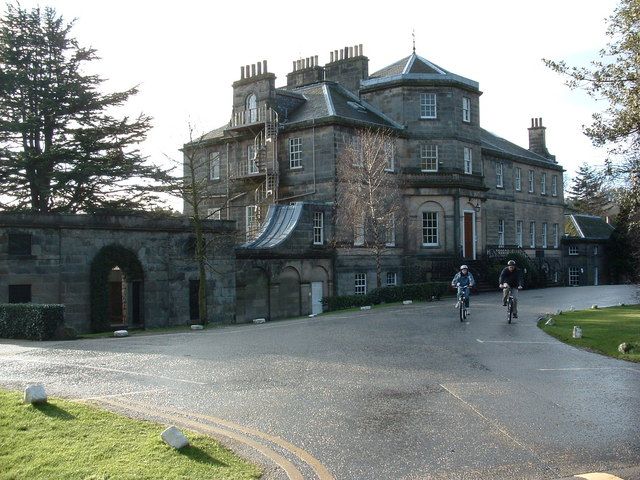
x=414 y=291
x=30 y=321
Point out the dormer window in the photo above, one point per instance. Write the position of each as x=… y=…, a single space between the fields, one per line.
x=252 y=108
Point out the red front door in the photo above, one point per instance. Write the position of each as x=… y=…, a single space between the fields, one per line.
x=468 y=235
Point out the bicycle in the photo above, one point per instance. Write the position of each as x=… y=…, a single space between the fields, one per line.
x=462 y=308
x=509 y=305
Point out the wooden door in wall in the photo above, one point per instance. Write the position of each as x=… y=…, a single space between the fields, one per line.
x=468 y=232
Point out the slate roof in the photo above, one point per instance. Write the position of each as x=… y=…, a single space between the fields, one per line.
x=492 y=141
x=589 y=227
x=329 y=99
x=415 y=67
x=280 y=223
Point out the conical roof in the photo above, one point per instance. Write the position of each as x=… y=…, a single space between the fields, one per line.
x=415 y=68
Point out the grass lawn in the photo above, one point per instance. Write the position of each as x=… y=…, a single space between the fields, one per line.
x=67 y=440
x=603 y=330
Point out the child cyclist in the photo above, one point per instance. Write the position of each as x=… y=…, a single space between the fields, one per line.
x=463 y=281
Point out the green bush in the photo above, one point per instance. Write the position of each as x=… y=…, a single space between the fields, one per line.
x=415 y=291
x=30 y=321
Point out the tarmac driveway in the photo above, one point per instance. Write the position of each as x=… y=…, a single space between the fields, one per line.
x=400 y=392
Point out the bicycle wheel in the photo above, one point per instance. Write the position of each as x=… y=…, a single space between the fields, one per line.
x=509 y=309
x=462 y=310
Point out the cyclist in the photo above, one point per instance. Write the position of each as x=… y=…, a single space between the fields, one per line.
x=462 y=279
x=511 y=279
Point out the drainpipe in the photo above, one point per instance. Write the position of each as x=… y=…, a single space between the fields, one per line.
x=456 y=223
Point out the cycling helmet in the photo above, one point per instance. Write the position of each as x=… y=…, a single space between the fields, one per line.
x=511 y=262
x=463 y=267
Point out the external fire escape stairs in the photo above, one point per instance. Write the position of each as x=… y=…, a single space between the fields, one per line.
x=266 y=160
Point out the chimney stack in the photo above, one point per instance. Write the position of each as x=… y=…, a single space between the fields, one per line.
x=305 y=71
x=537 y=140
x=347 y=66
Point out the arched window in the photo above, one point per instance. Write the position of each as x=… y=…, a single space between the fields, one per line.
x=252 y=108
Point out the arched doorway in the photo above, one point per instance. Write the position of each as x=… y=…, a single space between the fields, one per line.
x=116 y=289
x=288 y=294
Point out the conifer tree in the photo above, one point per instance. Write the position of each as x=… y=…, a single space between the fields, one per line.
x=586 y=193
x=61 y=148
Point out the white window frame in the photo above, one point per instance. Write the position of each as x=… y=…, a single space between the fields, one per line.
x=392 y=279
x=295 y=153
x=318 y=228
x=390 y=151
x=214 y=166
x=532 y=234
x=214 y=213
x=574 y=276
x=390 y=233
x=573 y=250
x=501 y=232
x=544 y=234
x=250 y=219
x=554 y=186
x=358 y=234
x=468 y=160
x=430 y=230
x=429 y=158
x=252 y=165
x=531 y=182
x=251 y=105
x=556 y=238
x=519 y=232
x=428 y=105
x=466 y=109
x=499 y=175
x=360 y=284
x=518 y=179
x=543 y=184
x=596 y=250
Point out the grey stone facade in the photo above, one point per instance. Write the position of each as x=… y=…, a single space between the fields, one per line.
x=49 y=257
x=297 y=133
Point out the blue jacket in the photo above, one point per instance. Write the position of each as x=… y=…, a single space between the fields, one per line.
x=463 y=280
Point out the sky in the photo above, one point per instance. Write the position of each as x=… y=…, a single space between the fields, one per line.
x=185 y=55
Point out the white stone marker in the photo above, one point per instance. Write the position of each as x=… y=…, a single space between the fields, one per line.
x=623 y=347
x=259 y=320
x=197 y=327
x=577 y=332
x=35 y=394
x=407 y=302
x=594 y=307
x=366 y=307
x=121 y=333
x=173 y=437
x=550 y=322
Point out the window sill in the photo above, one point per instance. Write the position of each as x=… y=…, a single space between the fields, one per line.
x=428 y=118
x=296 y=168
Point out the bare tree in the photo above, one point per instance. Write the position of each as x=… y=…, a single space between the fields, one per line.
x=192 y=187
x=368 y=193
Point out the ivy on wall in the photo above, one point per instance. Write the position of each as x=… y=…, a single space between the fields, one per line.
x=108 y=257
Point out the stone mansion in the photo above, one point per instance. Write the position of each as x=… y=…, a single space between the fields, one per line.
x=467 y=191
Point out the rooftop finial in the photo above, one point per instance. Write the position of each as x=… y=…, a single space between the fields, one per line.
x=413 y=34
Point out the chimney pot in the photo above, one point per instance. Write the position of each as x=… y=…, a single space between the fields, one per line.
x=350 y=52
x=540 y=124
x=346 y=52
x=241 y=73
x=259 y=68
x=341 y=54
x=315 y=61
x=247 y=70
x=361 y=51
x=253 y=69
x=264 y=66
x=331 y=57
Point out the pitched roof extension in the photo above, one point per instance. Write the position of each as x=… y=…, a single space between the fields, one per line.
x=491 y=141
x=589 y=227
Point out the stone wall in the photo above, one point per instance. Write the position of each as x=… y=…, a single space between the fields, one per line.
x=63 y=248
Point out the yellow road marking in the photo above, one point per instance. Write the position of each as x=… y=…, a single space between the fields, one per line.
x=597 y=476
x=320 y=470
x=290 y=469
